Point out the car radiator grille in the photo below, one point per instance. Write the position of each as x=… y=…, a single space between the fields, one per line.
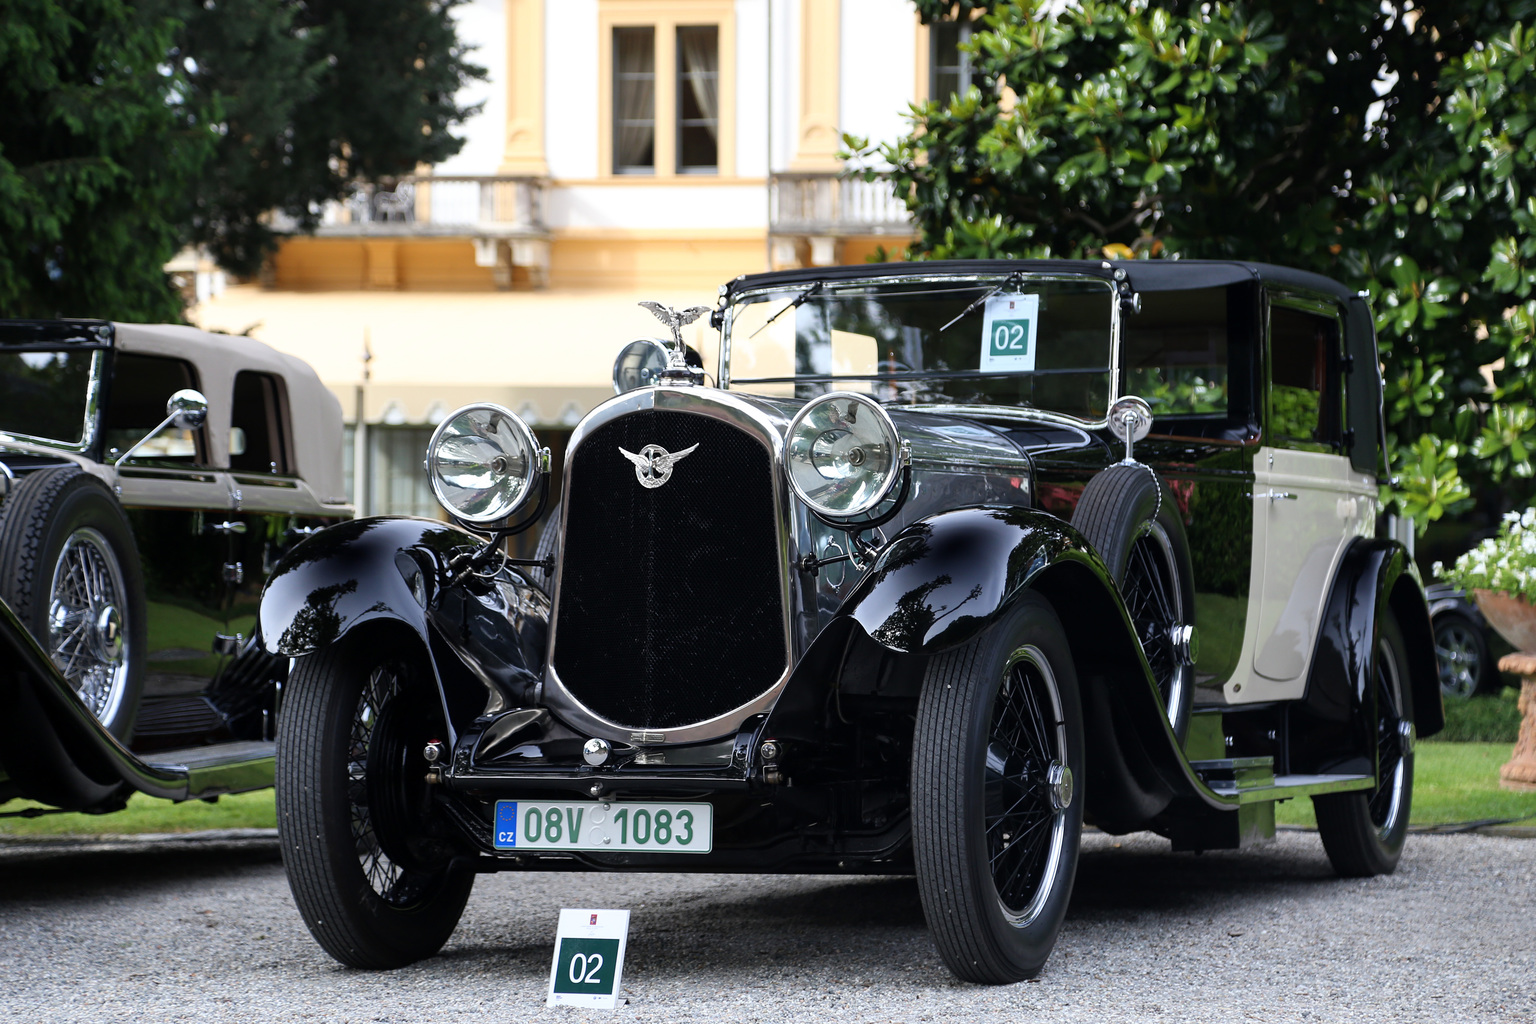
x=669 y=610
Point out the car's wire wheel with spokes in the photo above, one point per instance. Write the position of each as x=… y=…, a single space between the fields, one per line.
x=379 y=877
x=88 y=624
x=1028 y=785
x=1364 y=832
x=997 y=808
x=1132 y=520
x=70 y=570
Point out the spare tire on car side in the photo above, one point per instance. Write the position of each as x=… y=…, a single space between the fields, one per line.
x=70 y=570
x=1130 y=517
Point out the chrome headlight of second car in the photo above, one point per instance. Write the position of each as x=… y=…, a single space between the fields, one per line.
x=483 y=461
x=843 y=455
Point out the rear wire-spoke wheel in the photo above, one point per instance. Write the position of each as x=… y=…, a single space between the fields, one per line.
x=372 y=867
x=996 y=796
x=1363 y=833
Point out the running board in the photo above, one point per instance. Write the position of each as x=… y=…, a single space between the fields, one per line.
x=56 y=752
x=1253 y=780
x=1251 y=789
x=221 y=768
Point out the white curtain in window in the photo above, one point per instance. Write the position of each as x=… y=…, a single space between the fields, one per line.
x=634 y=97
x=701 y=64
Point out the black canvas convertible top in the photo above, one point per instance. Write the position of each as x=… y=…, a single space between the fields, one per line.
x=1143 y=275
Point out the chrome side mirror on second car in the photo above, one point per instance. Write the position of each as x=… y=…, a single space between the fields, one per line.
x=187 y=409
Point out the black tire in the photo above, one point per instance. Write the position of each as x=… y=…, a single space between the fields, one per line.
x=998 y=720
x=372 y=869
x=1131 y=519
x=1461 y=656
x=1364 y=832
x=70 y=570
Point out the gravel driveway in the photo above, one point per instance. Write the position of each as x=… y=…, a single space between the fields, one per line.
x=1267 y=935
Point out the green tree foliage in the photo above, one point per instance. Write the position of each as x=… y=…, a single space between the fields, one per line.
x=132 y=129
x=1385 y=144
x=99 y=150
x=314 y=95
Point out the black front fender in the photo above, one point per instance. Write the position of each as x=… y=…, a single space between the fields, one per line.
x=350 y=574
x=946 y=578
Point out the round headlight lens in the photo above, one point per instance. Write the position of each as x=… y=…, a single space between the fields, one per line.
x=639 y=365
x=843 y=454
x=482 y=461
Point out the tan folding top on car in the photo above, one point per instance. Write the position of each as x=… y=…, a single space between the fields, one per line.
x=314 y=410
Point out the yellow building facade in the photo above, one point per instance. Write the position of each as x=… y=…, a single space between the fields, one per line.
x=624 y=150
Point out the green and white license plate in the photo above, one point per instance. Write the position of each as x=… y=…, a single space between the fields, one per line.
x=634 y=827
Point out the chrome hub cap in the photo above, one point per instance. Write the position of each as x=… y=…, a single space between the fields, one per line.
x=1059 y=779
x=86 y=626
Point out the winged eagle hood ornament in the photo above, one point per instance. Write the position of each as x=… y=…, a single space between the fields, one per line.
x=676 y=320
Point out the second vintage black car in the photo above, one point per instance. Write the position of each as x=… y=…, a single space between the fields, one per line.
x=951 y=559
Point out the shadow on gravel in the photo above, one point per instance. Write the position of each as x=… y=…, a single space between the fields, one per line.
x=85 y=875
x=1146 y=876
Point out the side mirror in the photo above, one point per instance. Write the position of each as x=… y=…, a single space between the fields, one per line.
x=186 y=410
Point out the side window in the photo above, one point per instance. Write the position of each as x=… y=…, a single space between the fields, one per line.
x=258 y=435
x=1305 y=395
x=1176 y=353
x=136 y=405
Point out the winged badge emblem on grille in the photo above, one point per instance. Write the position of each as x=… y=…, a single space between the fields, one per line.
x=653 y=466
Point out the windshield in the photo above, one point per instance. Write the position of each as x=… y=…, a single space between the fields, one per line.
x=1039 y=343
x=43 y=393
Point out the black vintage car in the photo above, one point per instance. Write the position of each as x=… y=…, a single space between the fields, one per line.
x=150 y=477
x=939 y=562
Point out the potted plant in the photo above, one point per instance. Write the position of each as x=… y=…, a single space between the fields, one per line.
x=1500 y=574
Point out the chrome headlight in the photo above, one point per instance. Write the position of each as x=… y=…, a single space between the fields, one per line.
x=483 y=461
x=843 y=455
x=639 y=365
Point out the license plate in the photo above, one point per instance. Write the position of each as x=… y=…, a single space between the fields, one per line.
x=639 y=827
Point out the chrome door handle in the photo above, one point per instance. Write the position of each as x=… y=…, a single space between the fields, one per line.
x=225 y=527
x=1277 y=496
x=303 y=531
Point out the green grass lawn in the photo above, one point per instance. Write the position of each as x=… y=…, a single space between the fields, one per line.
x=1453 y=782
x=146 y=814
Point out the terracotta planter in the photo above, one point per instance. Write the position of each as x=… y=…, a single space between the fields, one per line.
x=1512 y=617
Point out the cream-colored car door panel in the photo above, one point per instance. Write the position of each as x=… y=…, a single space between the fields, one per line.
x=1307 y=507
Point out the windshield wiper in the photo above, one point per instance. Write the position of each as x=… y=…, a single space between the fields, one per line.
x=1014 y=281
x=793 y=303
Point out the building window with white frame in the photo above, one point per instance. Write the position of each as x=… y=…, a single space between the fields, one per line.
x=698 y=99
x=634 y=100
x=951 y=70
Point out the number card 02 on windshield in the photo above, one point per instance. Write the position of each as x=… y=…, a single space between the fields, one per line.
x=589 y=958
x=1008 y=333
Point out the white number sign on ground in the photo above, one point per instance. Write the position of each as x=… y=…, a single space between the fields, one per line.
x=589 y=958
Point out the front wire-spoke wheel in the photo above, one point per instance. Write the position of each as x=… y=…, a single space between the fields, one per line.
x=1363 y=832
x=374 y=870
x=997 y=807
